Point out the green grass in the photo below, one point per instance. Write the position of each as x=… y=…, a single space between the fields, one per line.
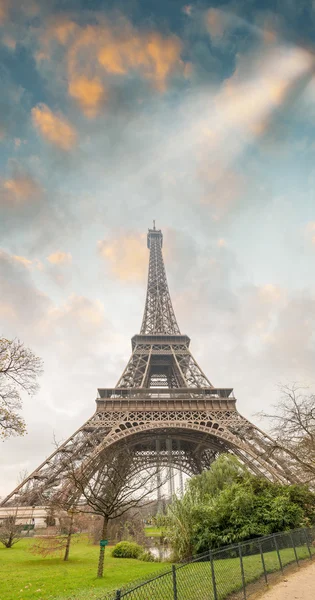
x=194 y=580
x=153 y=531
x=24 y=576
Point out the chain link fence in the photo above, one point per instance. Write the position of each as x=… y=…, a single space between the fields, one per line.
x=236 y=571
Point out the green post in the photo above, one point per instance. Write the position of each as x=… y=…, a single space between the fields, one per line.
x=174 y=582
x=242 y=570
x=214 y=583
x=294 y=549
x=263 y=561
x=307 y=543
x=278 y=553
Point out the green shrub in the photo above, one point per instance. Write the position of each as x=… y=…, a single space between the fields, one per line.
x=127 y=550
x=147 y=556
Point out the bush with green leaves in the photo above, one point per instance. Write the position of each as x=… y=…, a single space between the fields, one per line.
x=147 y=556
x=228 y=504
x=127 y=550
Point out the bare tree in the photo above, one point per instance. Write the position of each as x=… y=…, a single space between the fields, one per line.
x=19 y=369
x=113 y=488
x=11 y=529
x=293 y=424
x=59 y=543
x=15 y=521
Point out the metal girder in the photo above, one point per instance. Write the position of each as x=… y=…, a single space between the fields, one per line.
x=159 y=316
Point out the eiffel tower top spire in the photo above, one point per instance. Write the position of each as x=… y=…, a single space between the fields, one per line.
x=159 y=316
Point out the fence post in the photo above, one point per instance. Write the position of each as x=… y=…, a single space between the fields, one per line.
x=294 y=548
x=118 y=595
x=214 y=583
x=263 y=562
x=242 y=570
x=277 y=549
x=174 y=582
x=307 y=543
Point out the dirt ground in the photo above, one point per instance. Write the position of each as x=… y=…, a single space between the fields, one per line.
x=296 y=586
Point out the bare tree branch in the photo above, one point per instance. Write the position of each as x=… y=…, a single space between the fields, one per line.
x=19 y=369
x=112 y=488
x=293 y=424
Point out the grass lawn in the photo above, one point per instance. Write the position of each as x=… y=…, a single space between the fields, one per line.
x=194 y=580
x=24 y=576
x=153 y=531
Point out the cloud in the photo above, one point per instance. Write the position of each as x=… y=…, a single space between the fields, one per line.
x=60 y=258
x=20 y=189
x=100 y=57
x=4 y=9
x=259 y=86
x=29 y=305
x=80 y=312
x=271 y=293
x=310 y=231
x=187 y=9
x=24 y=261
x=222 y=187
x=216 y=22
x=54 y=127
x=89 y=93
x=126 y=256
x=154 y=56
x=9 y=41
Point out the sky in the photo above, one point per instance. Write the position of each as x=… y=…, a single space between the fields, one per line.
x=197 y=115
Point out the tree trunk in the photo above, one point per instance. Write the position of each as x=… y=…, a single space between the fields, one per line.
x=66 y=556
x=102 y=549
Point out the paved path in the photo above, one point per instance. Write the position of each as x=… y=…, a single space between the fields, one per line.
x=296 y=586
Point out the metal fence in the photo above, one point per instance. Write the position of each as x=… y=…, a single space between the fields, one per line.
x=235 y=571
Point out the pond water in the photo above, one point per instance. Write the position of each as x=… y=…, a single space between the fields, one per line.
x=159 y=550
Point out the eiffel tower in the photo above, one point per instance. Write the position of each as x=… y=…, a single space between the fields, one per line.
x=163 y=406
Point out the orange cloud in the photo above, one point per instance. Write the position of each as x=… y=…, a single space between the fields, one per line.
x=152 y=55
x=20 y=189
x=127 y=256
x=9 y=42
x=4 y=6
x=54 y=128
x=60 y=258
x=83 y=312
x=216 y=22
x=62 y=29
x=96 y=53
x=23 y=261
x=269 y=36
x=270 y=292
x=89 y=93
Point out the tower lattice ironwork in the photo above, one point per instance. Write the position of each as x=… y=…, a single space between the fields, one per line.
x=163 y=406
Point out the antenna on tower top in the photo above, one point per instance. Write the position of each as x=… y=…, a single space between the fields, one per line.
x=154 y=224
